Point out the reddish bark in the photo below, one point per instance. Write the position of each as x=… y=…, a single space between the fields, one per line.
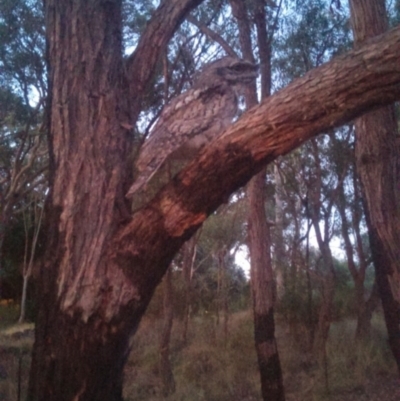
x=101 y=266
x=377 y=157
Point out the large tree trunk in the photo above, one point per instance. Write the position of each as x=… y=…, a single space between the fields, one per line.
x=82 y=329
x=377 y=156
x=102 y=266
x=88 y=307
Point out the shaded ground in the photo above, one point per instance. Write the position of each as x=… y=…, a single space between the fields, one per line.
x=214 y=370
x=381 y=389
x=15 y=348
x=384 y=388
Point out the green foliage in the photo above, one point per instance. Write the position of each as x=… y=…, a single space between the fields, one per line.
x=310 y=35
x=204 y=292
x=393 y=8
x=16 y=242
x=22 y=46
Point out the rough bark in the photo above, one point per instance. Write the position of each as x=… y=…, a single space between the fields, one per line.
x=377 y=150
x=261 y=273
x=88 y=307
x=141 y=64
x=101 y=268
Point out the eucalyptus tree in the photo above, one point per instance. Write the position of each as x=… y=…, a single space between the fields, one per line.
x=103 y=262
x=377 y=154
x=311 y=36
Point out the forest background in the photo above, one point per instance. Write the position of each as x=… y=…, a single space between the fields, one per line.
x=196 y=339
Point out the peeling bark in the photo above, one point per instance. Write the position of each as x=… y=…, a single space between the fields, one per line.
x=102 y=266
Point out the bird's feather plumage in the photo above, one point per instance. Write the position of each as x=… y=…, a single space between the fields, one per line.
x=194 y=118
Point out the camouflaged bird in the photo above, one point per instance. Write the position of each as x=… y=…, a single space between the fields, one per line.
x=195 y=117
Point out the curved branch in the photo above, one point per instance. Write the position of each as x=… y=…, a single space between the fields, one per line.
x=326 y=97
x=141 y=64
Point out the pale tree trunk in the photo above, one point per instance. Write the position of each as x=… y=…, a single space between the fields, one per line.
x=189 y=255
x=377 y=158
x=4 y=223
x=102 y=264
x=222 y=291
x=357 y=270
x=28 y=264
x=20 y=180
x=167 y=376
x=280 y=265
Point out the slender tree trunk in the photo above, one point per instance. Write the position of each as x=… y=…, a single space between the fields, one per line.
x=4 y=223
x=262 y=280
x=357 y=270
x=223 y=290
x=1 y=261
x=25 y=281
x=323 y=240
x=189 y=254
x=28 y=264
x=280 y=265
x=377 y=157
x=310 y=313
x=325 y=314
x=263 y=290
x=167 y=376
x=364 y=315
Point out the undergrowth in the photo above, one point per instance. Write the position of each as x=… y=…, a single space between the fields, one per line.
x=210 y=367
x=213 y=368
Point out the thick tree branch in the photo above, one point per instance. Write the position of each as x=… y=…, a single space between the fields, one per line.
x=326 y=97
x=141 y=64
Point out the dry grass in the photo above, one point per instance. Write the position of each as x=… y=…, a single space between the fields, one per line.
x=217 y=369
x=213 y=368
